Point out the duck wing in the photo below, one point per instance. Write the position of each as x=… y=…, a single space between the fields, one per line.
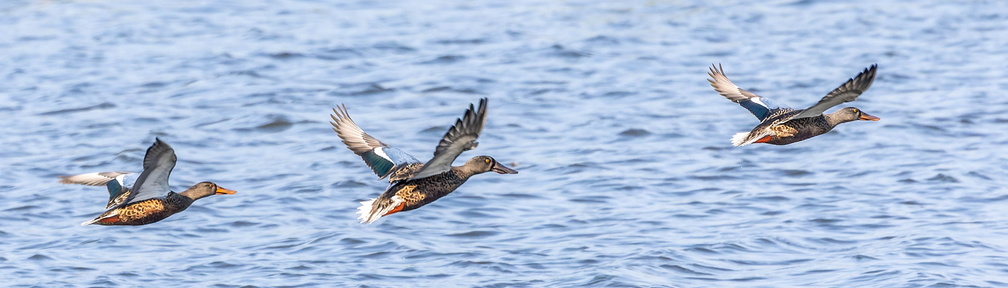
x=91 y=179
x=759 y=106
x=118 y=183
x=383 y=159
x=119 y=189
x=459 y=138
x=153 y=181
x=847 y=92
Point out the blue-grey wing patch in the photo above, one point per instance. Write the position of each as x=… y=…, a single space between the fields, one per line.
x=387 y=160
x=380 y=157
x=759 y=106
x=119 y=189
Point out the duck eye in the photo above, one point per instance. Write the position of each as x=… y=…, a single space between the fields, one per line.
x=855 y=110
x=487 y=160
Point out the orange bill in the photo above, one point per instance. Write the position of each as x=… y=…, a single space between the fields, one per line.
x=501 y=169
x=222 y=190
x=865 y=116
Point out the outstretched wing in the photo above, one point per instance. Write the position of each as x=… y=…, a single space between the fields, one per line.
x=759 y=106
x=153 y=181
x=459 y=138
x=383 y=159
x=118 y=183
x=91 y=179
x=847 y=92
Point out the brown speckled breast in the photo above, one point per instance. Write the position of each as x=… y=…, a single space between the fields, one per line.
x=420 y=192
x=148 y=211
x=798 y=130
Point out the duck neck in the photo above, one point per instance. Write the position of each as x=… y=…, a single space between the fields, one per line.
x=179 y=202
x=835 y=118
x=464 y=172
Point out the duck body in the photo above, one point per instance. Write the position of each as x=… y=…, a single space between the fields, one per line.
x=152 y=210
x=145 y=198
x=413 y=184
x=144 y=212
x=409 y=194
x=406 y=195
x=782 y=125
x=799 y=129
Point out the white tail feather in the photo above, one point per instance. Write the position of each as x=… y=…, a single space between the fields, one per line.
x=365 y=212
x=369 y=213
x=739 y=139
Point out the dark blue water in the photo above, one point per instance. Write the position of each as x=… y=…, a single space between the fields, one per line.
x=627 y=175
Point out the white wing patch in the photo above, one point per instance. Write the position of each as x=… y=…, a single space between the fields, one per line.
x=128 y=180
x=380 y=152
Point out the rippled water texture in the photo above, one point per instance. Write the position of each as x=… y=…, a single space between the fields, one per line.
x=627 y=175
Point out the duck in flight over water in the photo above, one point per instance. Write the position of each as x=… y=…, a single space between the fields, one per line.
x=782 y=125
x=413 y=184
x=146 y=198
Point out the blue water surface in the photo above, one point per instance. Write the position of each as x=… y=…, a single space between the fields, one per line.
x=627 y=177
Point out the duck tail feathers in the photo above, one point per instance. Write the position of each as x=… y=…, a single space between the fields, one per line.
x=739 y=139
x=103 y=216
x=364 y=211
x=373 y=209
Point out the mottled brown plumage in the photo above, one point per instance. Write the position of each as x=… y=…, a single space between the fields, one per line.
x=148 y=199
x=782 y=125
x=412 y=183
x=413 y=193
x=799 y=129
x=155 y=209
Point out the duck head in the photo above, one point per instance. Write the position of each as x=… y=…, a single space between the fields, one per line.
x=204 y=189
x=848 y=114
x=482 y=164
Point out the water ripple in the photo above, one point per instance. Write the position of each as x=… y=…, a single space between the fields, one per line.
x=627 y=175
